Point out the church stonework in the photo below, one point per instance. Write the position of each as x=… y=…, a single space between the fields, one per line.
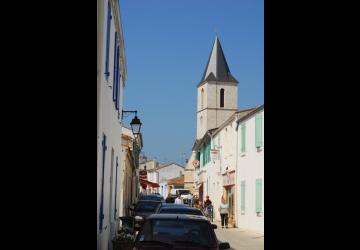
x=216 y=93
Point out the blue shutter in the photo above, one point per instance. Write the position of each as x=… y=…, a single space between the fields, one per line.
x=117 y=76
x=115 y=70
x=107 y=73
x=101 y=212
x=118 y=80
x=117 y=164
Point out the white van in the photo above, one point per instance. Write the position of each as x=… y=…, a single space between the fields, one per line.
x=183 y=194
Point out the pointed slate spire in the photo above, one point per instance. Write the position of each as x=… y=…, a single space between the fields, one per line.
x=217 y=68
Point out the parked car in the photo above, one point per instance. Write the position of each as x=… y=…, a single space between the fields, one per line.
x=142 y=210
x=151 y=197
x=182 y=209
x=161 y=205
x=178 y=231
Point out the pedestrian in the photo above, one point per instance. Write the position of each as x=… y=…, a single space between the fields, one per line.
x=207 y=201
x=178 y=200
x=169 y=199
x=224 y=211
x=196 y=201
x=190 y=198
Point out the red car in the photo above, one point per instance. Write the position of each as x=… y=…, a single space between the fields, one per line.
x=178 y=232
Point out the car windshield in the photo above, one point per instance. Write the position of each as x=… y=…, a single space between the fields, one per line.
x=166 y=210
x=146 y=206
x=175 y=231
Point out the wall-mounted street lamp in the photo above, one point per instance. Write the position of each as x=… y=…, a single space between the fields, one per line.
x=135 y=123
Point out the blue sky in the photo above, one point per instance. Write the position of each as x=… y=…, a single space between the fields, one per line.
x=167 y=45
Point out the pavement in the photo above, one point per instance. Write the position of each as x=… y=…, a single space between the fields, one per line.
x=240 y=239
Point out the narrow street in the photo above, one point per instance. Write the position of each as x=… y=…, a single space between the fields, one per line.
x=175 y=128
x=240 y=239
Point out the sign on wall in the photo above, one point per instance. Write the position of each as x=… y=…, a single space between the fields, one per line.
x=229 y=178
x=143 y=174
x=196 y=163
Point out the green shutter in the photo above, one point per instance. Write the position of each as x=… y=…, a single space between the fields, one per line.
x=198 y=156
x=203 y=155
x=258 y=130
x=243 y=196
x=258 y=195
x=209 y=151
x=206 y=153
x=243 y=137
x=206 y=156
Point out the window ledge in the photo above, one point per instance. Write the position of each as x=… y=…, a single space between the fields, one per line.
x=259 y=214
x=259 y=149
x=243 y=154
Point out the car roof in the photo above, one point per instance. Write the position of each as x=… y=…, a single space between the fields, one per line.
x=179 y=208
x=149 y=201
x=150 y=195
x=173 y=205
x=178 y=217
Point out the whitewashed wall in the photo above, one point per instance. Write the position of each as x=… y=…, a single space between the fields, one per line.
x=108 y=124
x=250 y=167
x=225 y=141
x=169 y=172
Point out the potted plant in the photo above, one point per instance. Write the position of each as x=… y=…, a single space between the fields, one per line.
x=124 y=240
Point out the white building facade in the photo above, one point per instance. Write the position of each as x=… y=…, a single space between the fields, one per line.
x=160 y=174
x=250 y=171
x=111 y=75
x=229 y=147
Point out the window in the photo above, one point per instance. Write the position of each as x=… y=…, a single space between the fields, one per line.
x=116 y=78
x=101 y=212
x=258 y=130
x=243 y=137
x=242 y=196
x=222 y=91
x=202 y=98
x=107 y=73
x=258 y=196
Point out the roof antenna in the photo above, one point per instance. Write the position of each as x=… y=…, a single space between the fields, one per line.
x=216 y=34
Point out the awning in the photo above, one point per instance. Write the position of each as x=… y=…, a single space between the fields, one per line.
x=149 y=183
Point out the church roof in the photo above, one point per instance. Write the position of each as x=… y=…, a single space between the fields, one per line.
x=217 y=68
